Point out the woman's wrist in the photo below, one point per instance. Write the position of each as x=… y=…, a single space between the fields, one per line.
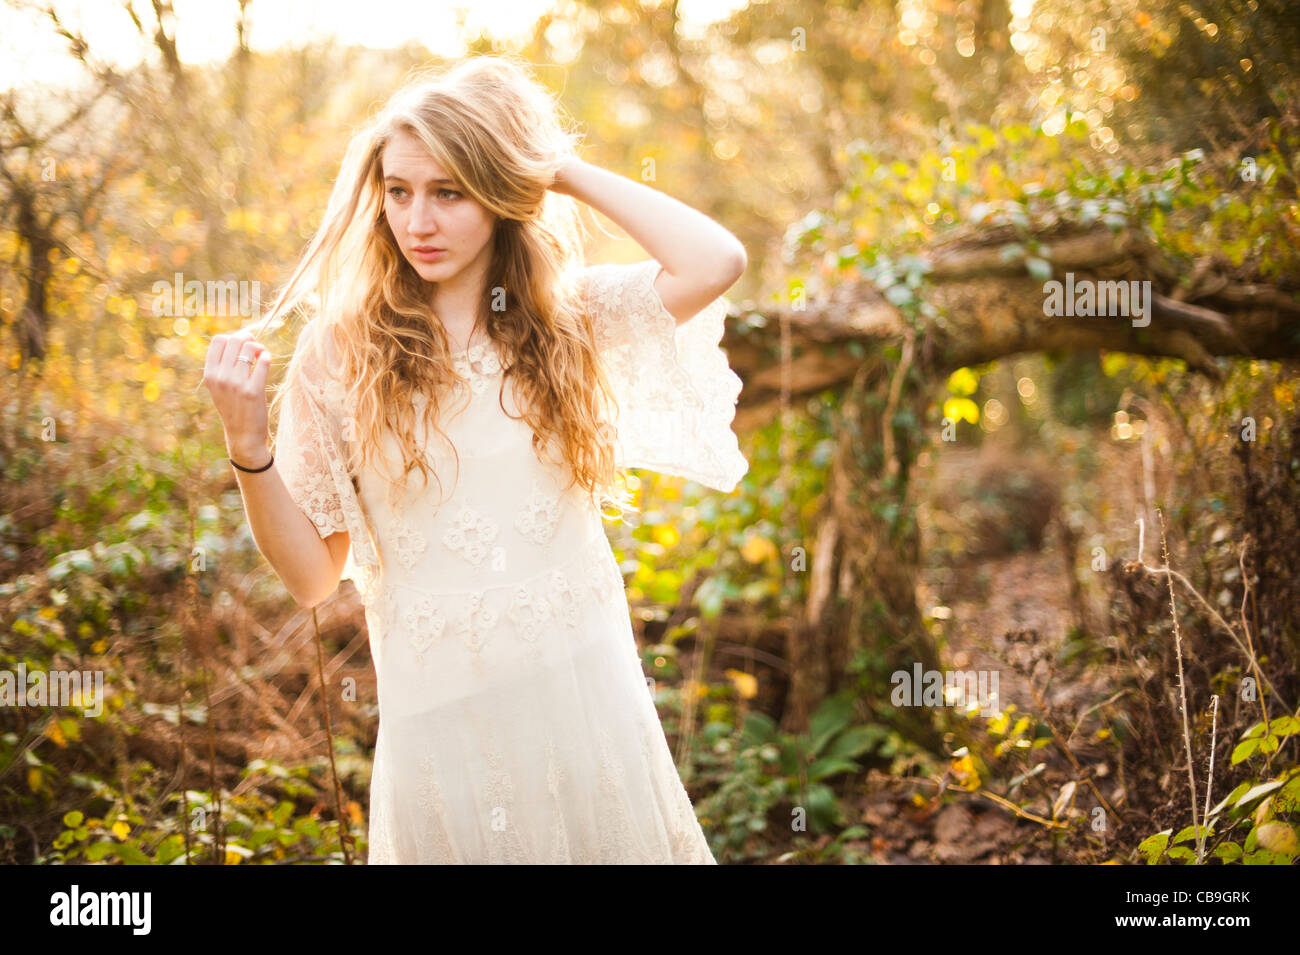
x=563 y=174
x=249 y=456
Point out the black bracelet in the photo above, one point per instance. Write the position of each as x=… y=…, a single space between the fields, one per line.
x=254 y=470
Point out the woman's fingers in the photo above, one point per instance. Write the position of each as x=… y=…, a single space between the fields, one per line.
x=261 y=368
x=231 y=380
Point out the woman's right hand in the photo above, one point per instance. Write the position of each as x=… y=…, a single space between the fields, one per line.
x=238 y=389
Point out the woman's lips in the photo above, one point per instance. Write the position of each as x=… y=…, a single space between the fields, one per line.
x=427 y=253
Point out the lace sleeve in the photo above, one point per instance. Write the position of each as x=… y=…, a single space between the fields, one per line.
x=311 y=454
x=301 y=442
x=675 y=391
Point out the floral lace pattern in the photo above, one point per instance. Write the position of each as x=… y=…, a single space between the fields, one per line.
x=408 y=542
x=675 y=393
x=539 y=515
x=533 y=607
x=471 y=535
x=425 y=623
x=479 y=365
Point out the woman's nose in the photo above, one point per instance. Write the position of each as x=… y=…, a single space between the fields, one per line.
x=422 y=219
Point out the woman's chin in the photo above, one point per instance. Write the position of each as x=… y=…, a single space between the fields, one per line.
x=429 y=271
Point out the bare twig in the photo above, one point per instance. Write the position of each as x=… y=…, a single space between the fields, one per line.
x=1182 y=683
x=1209 y=786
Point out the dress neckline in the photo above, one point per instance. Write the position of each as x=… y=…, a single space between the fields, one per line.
x=478 y=364
x=475 y=352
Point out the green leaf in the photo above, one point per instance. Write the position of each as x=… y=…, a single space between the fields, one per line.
x=856 y=740
x=1284 y=726
x=1153 y=847
x=1288 y=800
x=759 y=729
x=831 y=766
x=130 y=854
x=1244 y=750
x=1265 y=857
x=835 y=713
x=1255 y=792
x=1230 y=799
x=169 y=849
x=73 y=818
x=97 y=850
x=823 y=808
x=1228 y=851
x=1255 y=732
x=1191 y=832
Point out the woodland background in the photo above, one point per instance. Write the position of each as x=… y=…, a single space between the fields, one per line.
x=1103 y=514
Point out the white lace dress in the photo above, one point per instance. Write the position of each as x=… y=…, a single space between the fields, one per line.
x=515 y=721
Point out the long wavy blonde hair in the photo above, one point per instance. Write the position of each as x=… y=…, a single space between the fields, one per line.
x=501 y=136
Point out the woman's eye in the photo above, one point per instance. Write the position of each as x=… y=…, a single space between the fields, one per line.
x=395 y=190
x=448 y=192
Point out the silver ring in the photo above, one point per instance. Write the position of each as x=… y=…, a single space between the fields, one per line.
x=242 y=358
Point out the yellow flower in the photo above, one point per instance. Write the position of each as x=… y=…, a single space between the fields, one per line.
x=121 y=829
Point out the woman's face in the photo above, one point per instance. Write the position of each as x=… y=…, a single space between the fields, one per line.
x=440 y=230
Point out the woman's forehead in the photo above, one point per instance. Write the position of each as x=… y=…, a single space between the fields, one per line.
x=405 y=156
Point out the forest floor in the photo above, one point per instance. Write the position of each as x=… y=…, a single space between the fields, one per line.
x=1025 y=592
x=1010 y=615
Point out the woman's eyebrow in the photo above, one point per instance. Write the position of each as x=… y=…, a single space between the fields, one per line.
x=436 y=182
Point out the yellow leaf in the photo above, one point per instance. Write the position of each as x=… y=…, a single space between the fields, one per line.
x=961 y=408
x=55 y=732
x=34 y=779
x=963 y=382
x=666 y=535
x=233 y=857
x=746 y=684
x=757 y=549
x=964 y=771
x=354 y=812
x=121 y=829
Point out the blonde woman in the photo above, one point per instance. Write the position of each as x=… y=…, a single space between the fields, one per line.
x=453 y=426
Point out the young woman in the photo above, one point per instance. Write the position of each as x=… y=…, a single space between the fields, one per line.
x=455 y=332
